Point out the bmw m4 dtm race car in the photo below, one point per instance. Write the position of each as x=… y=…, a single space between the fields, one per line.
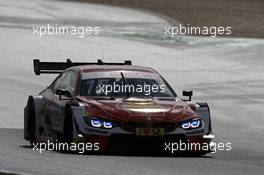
x=119 y=106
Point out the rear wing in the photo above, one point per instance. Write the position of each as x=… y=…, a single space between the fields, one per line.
x=59 y=67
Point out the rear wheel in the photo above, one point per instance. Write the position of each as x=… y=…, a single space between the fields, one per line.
x=32 y=124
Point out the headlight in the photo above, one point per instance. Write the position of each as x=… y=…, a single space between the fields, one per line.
x=191 y=124
x=108 y=125
x=96 y=123
x=99 y=123
x=186 y=125
x=195 y=123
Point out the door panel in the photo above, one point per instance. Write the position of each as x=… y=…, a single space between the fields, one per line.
x=56 y=105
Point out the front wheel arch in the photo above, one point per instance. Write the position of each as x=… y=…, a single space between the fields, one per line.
x=204 y=112
x=68 y=125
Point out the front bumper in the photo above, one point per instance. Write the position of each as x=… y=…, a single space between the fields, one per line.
x=117 y=139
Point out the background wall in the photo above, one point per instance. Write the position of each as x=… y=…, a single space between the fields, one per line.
x=245 y=16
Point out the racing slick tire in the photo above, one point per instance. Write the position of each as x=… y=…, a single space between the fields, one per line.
x=68 y=127
x=32 y=124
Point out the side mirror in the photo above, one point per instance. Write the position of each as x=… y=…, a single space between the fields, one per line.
x=188 y=94
x=64 y=92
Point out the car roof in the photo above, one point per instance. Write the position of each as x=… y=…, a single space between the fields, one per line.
x=99 y=68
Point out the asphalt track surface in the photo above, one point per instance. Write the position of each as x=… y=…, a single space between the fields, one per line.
x=225 y=72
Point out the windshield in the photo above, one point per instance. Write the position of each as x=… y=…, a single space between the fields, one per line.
x=124 y=84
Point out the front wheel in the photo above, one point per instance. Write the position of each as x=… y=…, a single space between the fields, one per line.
x=68 y=127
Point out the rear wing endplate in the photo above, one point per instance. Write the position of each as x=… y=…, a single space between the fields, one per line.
x=59 y=67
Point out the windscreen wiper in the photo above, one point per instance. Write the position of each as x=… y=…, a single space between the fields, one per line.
x=125 y=83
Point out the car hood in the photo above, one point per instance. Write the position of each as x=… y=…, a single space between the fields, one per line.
x=138 y=109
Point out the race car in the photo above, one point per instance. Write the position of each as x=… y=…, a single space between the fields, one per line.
x=119 y=106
